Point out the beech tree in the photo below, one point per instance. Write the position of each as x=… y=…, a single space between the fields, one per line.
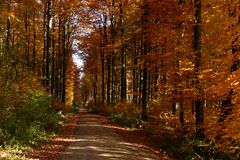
x=197 y=49
x=144 y=52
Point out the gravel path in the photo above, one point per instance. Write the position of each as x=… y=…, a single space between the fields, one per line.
x=96 y=140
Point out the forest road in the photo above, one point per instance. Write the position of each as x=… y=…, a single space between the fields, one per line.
x=96 y=140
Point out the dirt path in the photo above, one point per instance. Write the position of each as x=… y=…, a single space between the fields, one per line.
x=96 y=140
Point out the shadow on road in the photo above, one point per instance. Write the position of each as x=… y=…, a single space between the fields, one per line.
x=95 y=140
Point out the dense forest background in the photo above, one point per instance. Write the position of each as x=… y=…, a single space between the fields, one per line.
x=170 y=67
x=38 y=79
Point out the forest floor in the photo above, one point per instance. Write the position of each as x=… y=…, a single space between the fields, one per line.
x=91 y=136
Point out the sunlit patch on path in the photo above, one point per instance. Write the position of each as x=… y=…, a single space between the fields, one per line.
x=96 y=140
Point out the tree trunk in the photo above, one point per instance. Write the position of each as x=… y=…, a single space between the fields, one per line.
x=34 y=42
x=58 y=65
x=48 y=45
x=2 y=35
x=8 y=29
x=114 y=67
x=108 y=78
x=64 y=61
x=145 y=50
x=95 y=88
x=44 y=47
x=114 y=79
x=197 y=49
x=135 y=78
x=140 y=86
x=123 y=57
x=103 y=72
x=53 y=79
x=103 y=44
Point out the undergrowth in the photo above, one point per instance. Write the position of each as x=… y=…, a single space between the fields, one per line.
x=30 y=123
x=125 y=120
x=164 y=130
x=185 y=148
x=124 y=114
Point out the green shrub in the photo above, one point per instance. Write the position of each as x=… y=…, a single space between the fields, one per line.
x=89 y=105
x=75 y=107
x=125 y=120
x=4 y=136
x=31 y=123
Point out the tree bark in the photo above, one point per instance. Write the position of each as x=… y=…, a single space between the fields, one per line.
x=34 y=42
x=108 y=78
x=123 y=57
x=64 y=60
x=103 y=44
x=53 y=77
x=145 y=72
x=95 y=88
x=8 y=28
x=198 y=54
x=48 y=45
x=44 y=47
x=135 y=78
x=114 y=67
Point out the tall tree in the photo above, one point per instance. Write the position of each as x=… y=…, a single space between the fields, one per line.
x=103 y=51
x=123 y=57
x=34 y=42
x=44 y=45
x=48 y=43
x=114 y=67
x=8 y=29
x=145 y=50
x=198 y=54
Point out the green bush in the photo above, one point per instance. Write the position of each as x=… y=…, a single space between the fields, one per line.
x=75 y=107
x=189 y=147
x=125 y=120
x=4 y=136
x=31 y=123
